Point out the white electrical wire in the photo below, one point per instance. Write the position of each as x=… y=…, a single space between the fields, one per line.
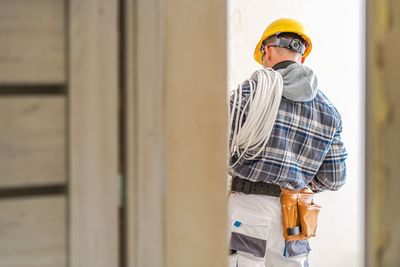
x=249 y=138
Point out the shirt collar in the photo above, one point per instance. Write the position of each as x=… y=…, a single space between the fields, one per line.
x=283 y=64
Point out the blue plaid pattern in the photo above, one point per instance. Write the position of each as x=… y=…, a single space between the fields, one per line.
x=304 y=149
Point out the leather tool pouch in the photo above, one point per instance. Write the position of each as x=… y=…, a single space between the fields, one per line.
x=299 y=214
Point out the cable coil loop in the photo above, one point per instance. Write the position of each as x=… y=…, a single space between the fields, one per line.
x=249 y=137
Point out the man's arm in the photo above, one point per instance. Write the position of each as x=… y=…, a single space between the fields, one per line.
x=238 y=106
x=332 y=173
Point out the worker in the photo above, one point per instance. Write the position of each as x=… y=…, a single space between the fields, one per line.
x=302 y=147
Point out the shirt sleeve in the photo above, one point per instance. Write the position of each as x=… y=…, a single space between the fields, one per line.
x=234 y=108
x=332 y=172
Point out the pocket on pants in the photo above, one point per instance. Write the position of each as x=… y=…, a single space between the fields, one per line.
x=249 y=233
x=296 y=248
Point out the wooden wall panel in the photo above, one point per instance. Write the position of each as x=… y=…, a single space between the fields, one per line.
x=93 y=130
x=33 y=232
x=383 y=130
x=32 y=140
x=32 y=41
x=195 y=133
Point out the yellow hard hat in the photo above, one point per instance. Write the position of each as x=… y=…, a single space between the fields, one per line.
x=280 y=26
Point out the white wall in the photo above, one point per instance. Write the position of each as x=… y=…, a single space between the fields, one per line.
x=337 y=31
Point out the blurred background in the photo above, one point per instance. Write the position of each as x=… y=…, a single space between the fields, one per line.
x=113 y=123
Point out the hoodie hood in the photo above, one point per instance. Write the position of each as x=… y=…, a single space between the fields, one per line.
x=299 y=82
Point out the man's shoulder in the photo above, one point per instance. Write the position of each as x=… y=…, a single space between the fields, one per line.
x=323 y=101
x=246 y=86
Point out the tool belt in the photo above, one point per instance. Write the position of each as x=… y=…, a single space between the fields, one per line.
x=299 y=214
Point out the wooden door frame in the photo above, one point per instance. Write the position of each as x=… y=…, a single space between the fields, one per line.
x=143 y=153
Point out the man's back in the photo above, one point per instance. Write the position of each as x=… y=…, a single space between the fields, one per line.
x=304 y=147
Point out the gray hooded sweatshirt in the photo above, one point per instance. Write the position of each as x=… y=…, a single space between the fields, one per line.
x=299 y=82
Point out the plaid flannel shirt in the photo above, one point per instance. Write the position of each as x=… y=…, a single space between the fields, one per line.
x=304 y=149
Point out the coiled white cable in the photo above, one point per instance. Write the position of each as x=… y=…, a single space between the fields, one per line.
x=249 y=138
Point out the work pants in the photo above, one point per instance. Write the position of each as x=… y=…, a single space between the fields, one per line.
x=255 y=223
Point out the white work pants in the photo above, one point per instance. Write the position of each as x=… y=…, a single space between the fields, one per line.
x=256 y=234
